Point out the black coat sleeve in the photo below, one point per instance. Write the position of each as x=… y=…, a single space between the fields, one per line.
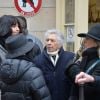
x=72 y=70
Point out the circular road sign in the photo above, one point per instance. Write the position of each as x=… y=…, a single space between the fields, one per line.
x=28 y=7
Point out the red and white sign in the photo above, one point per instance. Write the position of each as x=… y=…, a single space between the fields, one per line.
x=28 y=7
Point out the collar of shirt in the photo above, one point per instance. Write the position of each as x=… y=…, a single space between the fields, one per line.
x=56 y=59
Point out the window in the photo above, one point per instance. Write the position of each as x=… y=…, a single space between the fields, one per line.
x=69 y=24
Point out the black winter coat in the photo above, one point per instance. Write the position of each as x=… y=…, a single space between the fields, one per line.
x=58 y=84
x=91 y=90
x=14 y=72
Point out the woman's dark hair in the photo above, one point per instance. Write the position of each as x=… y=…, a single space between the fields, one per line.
x=6 y=22
x=23 y=23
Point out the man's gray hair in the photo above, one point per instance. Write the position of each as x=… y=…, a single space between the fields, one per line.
x=60 y=37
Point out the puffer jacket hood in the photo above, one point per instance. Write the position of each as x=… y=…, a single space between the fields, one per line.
x=11 y=72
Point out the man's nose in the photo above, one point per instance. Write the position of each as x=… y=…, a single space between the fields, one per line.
x=49 y=41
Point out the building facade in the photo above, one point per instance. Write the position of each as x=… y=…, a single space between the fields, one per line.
x=69 y=16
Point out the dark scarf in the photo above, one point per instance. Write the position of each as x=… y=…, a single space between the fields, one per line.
x=88 y=55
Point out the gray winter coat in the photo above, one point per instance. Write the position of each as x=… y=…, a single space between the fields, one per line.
x=14 y=71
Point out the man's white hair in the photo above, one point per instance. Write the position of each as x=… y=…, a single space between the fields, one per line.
x=60 y=37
